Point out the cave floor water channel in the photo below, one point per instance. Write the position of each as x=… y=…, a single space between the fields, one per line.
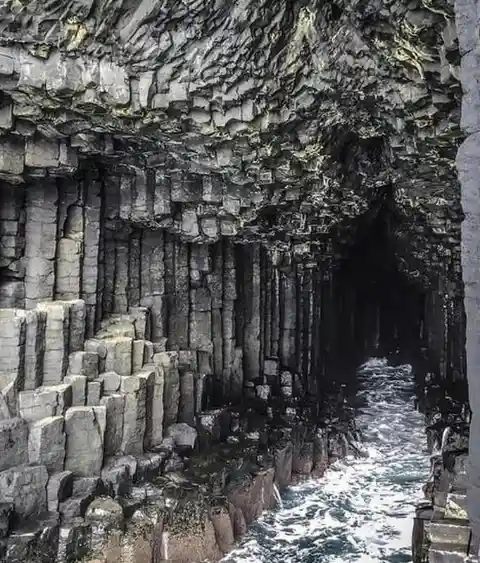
x=362 y=509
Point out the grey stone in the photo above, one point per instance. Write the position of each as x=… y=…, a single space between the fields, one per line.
x=85 y=430
x=46 y=443
x=186 y=412
x=114 y=83
x=78 y=384
x=12 y=157
x=13 y=443
x=74 y=540
x=43 y=402
x=34 y=540
x=111 y=382
x=59 y=488
x=87 y=486
x=68 y=269
x=115 y=407
x=105 y=516
x=57 y=342
x=74 y=507
x=214 y=425
x=84 y=363
x=263 y=392
x=98 y=347
x=168 y=362
x=118 y=474
x=6 y=514
x=119 y=355
x=149 y=466
x=134 y=418
x=138 y=352
x=12 y=351
x=94 y=393
x=35 y=325
x=270 y=367
x=155 y=409
x=76 y=336
x=183 y=435
x=25 y=487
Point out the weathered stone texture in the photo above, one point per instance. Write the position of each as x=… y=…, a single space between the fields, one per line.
x=188 y=215
x=46 y=443
x=13 y=443
x=468 y=162
x=25 y=487
x=85 y=431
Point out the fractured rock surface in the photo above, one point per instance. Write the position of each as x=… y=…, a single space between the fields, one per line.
x=189 y=194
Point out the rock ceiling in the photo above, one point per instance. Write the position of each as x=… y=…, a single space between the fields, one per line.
x=303 y=113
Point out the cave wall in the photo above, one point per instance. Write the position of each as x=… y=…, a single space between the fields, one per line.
x=468 y=164
x=151 y=241
x=184 y=192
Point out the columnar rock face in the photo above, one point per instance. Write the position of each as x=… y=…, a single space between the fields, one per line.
x=210 y=211
x=468 y=162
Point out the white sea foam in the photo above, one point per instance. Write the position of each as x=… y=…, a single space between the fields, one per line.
x=362 y=510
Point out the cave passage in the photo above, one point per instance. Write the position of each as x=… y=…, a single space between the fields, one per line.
x=361 y=510
x=379 y=310
x=364 y=305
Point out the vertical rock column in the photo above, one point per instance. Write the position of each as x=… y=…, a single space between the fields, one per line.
x=200 y=306
x=307 y=305
x=91 y=291
x=468 y=163
x=275 y=326
x=178 y=290
x=152 y=287
x=215 y=286
x=69 y=256
x=252 y=311
x=40 y=241
x=232 y=370
x=288 y=319
x=12 y=219
x=12 y=356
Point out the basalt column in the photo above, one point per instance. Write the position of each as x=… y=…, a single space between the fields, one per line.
x=468 y=163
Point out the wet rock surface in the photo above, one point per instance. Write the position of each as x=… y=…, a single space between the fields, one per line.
x=210 y=214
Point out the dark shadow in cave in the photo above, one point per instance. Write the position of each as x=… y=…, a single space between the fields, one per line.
x=378 y=310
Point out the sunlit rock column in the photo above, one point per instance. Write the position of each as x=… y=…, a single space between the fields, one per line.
x=468 y=163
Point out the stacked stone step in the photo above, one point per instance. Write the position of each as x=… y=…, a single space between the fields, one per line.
x=448 y=533
x=53 y=415
x=35 y=346
x=78 y=416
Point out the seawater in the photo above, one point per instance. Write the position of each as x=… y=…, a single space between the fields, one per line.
x=362 y=509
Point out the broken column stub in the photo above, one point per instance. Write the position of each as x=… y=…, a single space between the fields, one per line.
x=35 y=326
x=115 y=407
x=64 y=334
x=84 y=363
x=168 y=361
x=134 y=418
x=78 y=384
x=43 y=402
x=85 y=432
x=155 y=407
x=25 y=487
x=119 y=352
x=13 y=443
x=46 y=443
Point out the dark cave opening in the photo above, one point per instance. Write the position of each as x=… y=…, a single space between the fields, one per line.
x=381 y=312
x=372 y=309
